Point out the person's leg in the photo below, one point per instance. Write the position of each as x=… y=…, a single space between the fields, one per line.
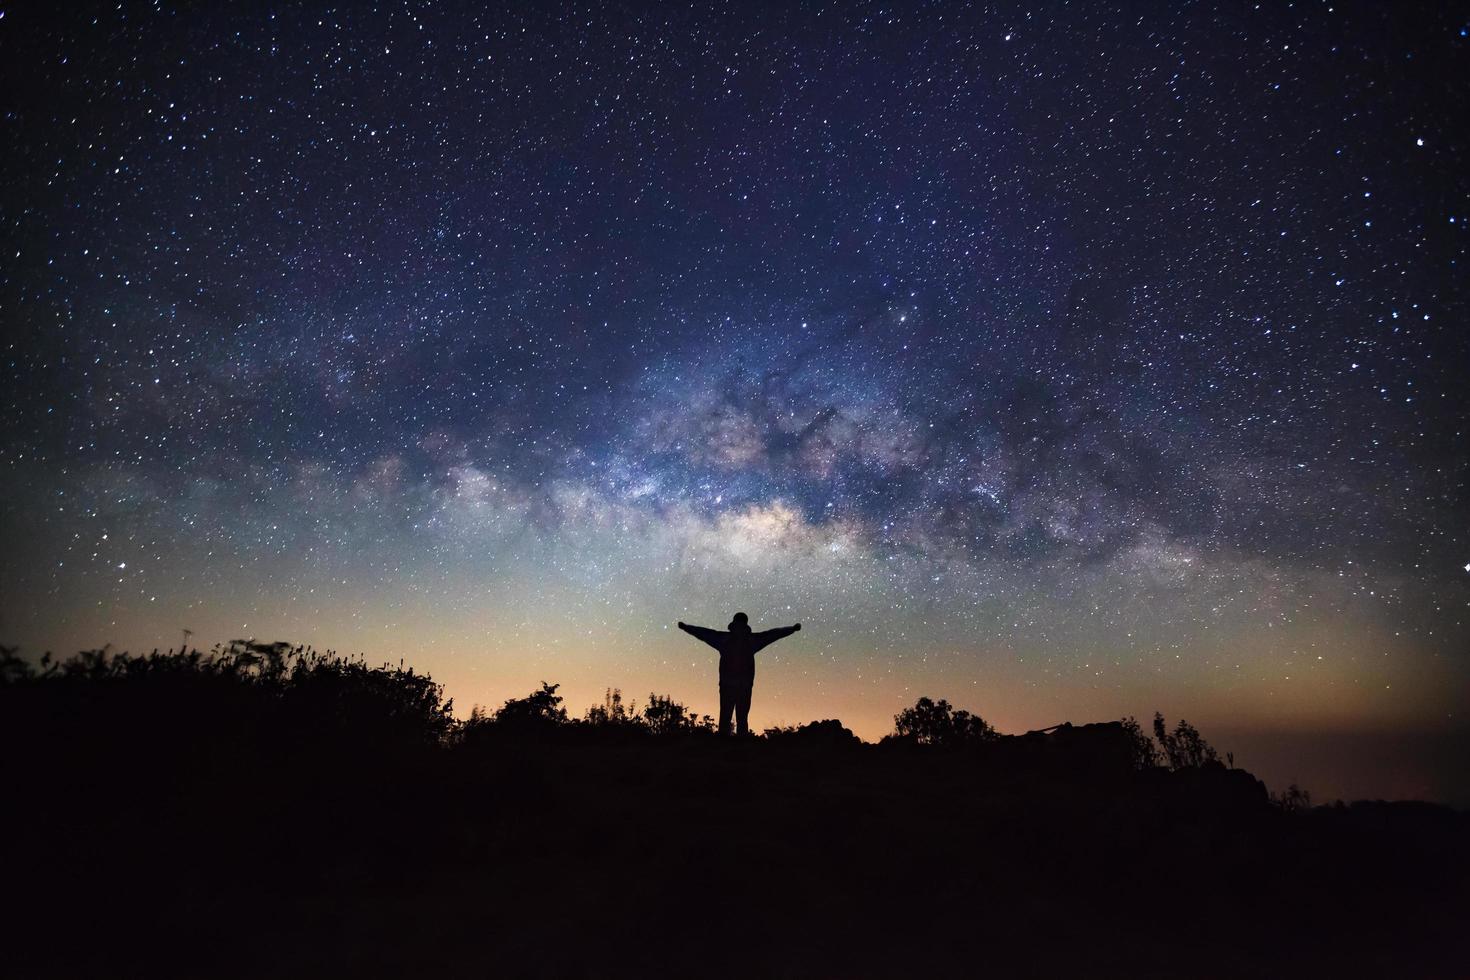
x=742 y=712
x=727 y=706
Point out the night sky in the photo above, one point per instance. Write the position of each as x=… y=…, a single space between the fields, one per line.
x=1067 y=361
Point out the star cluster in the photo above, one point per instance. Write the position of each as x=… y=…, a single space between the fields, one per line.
x=1065 y=360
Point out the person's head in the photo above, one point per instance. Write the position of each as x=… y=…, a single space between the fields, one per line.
x=739 y=623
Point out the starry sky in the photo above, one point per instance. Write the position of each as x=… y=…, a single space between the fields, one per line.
x=1064 y=360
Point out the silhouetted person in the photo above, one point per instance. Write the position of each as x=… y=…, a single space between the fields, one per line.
x=737 y=665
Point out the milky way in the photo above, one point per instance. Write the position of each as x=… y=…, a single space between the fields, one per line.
x=1069 y=361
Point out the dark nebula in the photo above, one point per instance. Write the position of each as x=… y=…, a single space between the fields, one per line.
x=1067 y=361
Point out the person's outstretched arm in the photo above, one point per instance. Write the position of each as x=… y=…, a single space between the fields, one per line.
x=702 y=633
x=767 y=637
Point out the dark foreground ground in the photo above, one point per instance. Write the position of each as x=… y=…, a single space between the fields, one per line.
x=179 y=834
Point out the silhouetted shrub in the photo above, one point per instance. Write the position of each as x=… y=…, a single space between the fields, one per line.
x=282 y=691
x=1143 y=752
x=12 y=667
x=931 y=722
x=1293 y=799
x=540 y=709
x=665 y=716
x=1183 y=748
x=612 y=711
x=827 y=733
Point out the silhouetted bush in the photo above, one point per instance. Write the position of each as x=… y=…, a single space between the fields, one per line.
x=540 y=709
x=665 y=716
x=1142 y=750
x=281 y=690
x=1184 y=748
x=931 y=722
x=612 y=711
x=1293 y=799
x=827 y=733
x=12 y=667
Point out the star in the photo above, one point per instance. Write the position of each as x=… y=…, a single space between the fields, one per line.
x=988 y=361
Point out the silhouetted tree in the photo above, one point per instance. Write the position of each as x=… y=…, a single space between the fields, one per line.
x=827 y=733
x=1183 y=748
x=1144 y=753
x=12 y=668
x=612 y=711
x=1293 y=799
x=665 y=716
x=540 y=709
x=284 y=691
x=931 y=722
